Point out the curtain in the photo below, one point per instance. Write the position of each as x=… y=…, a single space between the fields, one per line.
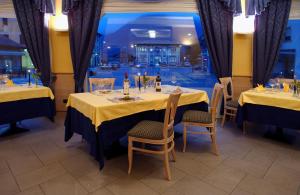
x=233 y=6
x=83 y=16
x=217 y=21
x=45 y=6
x=33 y=24
x=270 y=27
x=256 y=7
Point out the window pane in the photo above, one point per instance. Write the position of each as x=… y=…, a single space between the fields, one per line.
x=288 y=64
x=165 y=43
x=14 y=58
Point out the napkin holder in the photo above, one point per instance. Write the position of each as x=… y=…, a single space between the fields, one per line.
x=286 y=87
x=9 y=83
x=260 y=88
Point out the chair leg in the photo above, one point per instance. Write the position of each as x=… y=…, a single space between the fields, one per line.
x=173 y=153
x=214 y=141
x=130 y=155
x=184 y=137
x=167 y=163
x=224 y=117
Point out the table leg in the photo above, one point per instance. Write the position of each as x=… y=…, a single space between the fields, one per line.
x=12 y=130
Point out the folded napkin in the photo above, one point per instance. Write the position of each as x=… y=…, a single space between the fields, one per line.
x=9 y=83
x=260 y=88
x=286 y=87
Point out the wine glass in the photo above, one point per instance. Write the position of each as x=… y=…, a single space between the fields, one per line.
x=173 y=80
x=272 y=83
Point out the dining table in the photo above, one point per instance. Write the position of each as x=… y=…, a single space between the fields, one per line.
x=271 y=107
x=104 y=117
x=20 y=102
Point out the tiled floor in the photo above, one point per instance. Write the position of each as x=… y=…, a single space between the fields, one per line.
x=40 y=162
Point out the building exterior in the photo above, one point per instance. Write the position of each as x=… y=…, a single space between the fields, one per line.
x=13 y=54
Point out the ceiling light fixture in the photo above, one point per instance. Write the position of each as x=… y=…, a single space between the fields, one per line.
x=152 y=34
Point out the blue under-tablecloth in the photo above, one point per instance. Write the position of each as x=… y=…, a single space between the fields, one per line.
x=268 y=115
x=14 y=111
x=111 y=131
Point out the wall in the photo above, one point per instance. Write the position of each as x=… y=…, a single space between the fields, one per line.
x=61 y=61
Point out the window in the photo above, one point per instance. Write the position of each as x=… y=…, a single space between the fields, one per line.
x=288 y=64
x=171 y=44
x=14 y=58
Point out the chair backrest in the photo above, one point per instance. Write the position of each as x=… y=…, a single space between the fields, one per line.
x=102 y=81
x=215 y=99
x=170 y=113
x=227 y=88
x=151 y=80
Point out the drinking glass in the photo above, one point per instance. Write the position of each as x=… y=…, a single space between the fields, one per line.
x=173 y=80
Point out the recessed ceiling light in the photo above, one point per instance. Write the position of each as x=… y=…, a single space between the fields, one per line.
x=152 y=34
x=189 y=34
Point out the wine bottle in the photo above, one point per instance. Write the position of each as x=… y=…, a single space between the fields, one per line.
x=158 y=83
x=126 y=85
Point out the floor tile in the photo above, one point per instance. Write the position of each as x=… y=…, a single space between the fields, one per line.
x=143 y=165
x=102 y=191
x=225 y=178
x=63 y=185
x=130 y=186
x=210 y=159
x=193 y=167
x=249 y=167
x=8 y=186
x=158 y=182
x=98 y=179
x=260 y=186
x=32 y=191
x=80 y=165
x=39 y=176
x=238 y=191
x=3 y=167
x=192 y=186
x=49 y=152
x=284 y=176
x=23 y=164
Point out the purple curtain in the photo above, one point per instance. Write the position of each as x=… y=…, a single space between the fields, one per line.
x=256 y=7
x=45 y=6
x=270 y=27
x=217 y=21
x=83 y=16
x=34 y=28
x=233 y=6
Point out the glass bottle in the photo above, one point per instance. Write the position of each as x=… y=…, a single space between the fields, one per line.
x=126 y=85
x=158 y=83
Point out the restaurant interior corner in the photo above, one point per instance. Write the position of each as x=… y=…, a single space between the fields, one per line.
x=156 y=97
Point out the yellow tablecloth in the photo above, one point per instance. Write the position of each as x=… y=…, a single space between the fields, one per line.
x=16 y=93
x=99 y=108
x=270 y=98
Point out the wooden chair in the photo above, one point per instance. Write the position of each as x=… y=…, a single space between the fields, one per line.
x=156 y=133
x=230 y=105
x=203 y=119
x=151 y=80
x=102 y=81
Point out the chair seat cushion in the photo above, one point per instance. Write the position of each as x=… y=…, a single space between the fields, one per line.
x=196 y=116
x=148 y=130
x=232 y=103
